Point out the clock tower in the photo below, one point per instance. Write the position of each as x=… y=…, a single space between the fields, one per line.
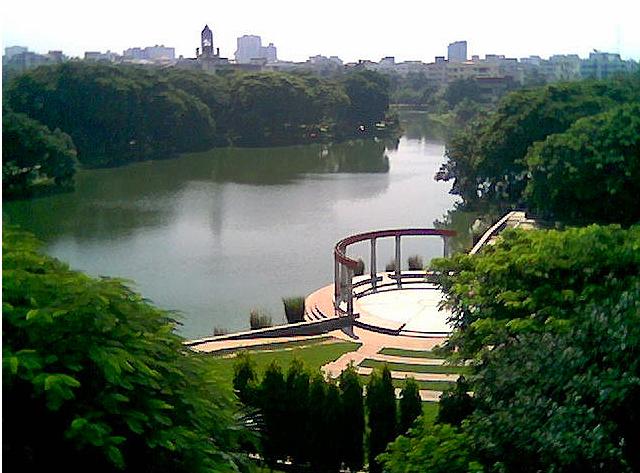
x=206 y=41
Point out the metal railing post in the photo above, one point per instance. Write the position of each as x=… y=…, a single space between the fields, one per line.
x=373 y=269
x=349 y=292
x=398 y=259
x=336 y=283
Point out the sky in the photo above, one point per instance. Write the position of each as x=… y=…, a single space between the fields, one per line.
x=350 y=29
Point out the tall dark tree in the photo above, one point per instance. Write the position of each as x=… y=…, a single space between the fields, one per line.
x=334 y=422
x=274 y=408
x=245 y=379
x=318 y=429
x=381 y=409
x=410 y=405
x=297 y=403
x=456 y=404
x=352 y=419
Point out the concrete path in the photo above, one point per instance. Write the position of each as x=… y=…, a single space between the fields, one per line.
x=372 y=343
x=425 y=395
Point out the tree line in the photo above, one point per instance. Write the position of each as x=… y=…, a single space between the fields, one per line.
x=113 y=115
x=567 y=152
x=320 y=424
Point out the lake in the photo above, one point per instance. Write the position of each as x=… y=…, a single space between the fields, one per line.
x=214 y=234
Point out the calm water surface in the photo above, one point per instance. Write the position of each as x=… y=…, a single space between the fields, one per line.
x=215 y=234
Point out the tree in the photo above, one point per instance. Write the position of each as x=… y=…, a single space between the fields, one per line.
x=460 y=90
x=501 y=141
x=532 y=416
x=103 y=376
x=318 y=429
x=591 y=172
x=534 y=279
x=32 y=152
x=331 y=459
x=245 y=379
x=436 y=448
x=536 y=302
x=352 y=419
x=369 y=97
x=297 y=400
x=273 y=405
x=455 y=404
x=381 y=408
x=410 y=405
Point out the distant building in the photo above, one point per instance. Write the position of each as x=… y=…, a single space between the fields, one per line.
x=270 y=53
x=206 y=42
x=102 y=57
x=11 y=51
x=457 y=52
x=250 y=49
x=160 y=54
x=602 y=65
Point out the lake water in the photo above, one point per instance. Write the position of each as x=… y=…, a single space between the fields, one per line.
x=215 y=234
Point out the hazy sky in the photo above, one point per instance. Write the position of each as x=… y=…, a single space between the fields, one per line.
x=351 y=29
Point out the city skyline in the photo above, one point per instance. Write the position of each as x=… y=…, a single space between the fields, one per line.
x=370 y=31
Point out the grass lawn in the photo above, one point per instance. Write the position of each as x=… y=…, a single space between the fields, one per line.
x=313 y=353
x=430 y=385
x=275 y=346
x=445 y=369
x=430 y=411
x=409 y=353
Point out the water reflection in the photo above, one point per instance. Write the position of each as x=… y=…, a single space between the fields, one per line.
x=417 y=125
x=269 y=166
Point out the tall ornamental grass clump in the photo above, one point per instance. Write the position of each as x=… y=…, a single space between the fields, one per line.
x=294 y=309
x=259 y=318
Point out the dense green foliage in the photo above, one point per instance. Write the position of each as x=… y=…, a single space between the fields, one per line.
x=552 y=322
x=430 y=448
x=95 y=378
x=565 y=400
x=535 y=280
x=488 y=160
x=32 y=154
x=120 y=114
x=590 y=173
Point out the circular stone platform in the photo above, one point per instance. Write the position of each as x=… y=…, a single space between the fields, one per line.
x=408 y=311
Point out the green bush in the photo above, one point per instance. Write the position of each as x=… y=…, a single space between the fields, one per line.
x=258 y=318
x=390 y=266
x=359 y=269
x=293 y=309
x=102 y=375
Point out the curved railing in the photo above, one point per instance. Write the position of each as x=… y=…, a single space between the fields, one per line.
x=344 y=266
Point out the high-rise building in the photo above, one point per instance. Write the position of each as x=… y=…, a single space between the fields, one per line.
x=270 y=53
x=206 y=41
x=457 y=52
x=249 y=47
